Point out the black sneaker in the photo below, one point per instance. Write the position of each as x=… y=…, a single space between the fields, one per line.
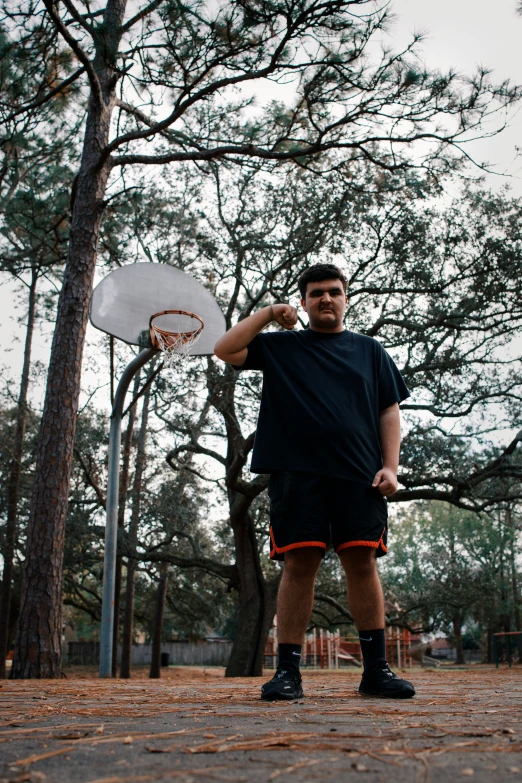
x=380 y=681
x=285 y=685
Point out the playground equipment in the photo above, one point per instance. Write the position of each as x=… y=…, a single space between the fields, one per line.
x=497 y=646
x=159 y=308
x=329 y=650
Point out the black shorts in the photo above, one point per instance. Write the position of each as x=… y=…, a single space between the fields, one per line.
x=307 y=509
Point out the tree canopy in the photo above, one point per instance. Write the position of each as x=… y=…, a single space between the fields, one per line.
x=368 y=134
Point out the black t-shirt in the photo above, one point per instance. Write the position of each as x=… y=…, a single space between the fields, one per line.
x=322 y=393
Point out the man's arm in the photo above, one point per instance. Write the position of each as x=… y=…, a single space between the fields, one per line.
x=390 y=437
x=232 y=347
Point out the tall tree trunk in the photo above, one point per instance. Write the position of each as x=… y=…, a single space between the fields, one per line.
x=491 y=644
x=506 y=619
x=128 y=617
x=13 y=484
x=457 y=631
x=257 y=600
x=155 y=661
x=453 y=585
x=269 y=609
x=122 y=502
x=38 y=641
x=514 y=582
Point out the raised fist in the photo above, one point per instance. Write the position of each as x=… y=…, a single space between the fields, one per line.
x=285 y=315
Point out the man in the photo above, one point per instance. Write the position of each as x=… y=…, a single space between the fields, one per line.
x=329 y=435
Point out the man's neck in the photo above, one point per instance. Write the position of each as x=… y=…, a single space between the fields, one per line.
x=322 y=330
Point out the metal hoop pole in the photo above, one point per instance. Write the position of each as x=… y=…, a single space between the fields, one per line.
x=111 y=525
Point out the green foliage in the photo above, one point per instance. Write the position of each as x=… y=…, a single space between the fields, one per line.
x=172 y=519
x=436 y=283
x=7 y=431
x=449 y=566
x=8 y=416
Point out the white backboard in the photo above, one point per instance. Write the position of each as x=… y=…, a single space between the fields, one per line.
x=124 y=301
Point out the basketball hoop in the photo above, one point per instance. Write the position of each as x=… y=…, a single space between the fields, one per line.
x=121 y=306
x=175 y=332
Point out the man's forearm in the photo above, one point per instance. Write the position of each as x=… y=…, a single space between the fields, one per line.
x=232 y=347
x=242 y=334
x=390 y=436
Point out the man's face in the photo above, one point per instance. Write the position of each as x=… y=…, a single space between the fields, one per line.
x=325 y=304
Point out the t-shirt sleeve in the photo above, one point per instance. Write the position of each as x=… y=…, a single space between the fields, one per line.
x=392 y=388
x=256 y=355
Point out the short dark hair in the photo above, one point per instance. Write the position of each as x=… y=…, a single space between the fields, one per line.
x=318 y=272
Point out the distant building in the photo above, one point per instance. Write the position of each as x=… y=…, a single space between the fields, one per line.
x=442 y=650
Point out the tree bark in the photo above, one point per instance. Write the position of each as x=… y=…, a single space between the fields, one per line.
x=155 y=661
x=514 y=582
x=122 y=502
x=269 y=609
x=490 y=645
x=128 y=617
x=13 y=485
x=457 y=631
x=257 y=597
x=504 y=597
x=38 y=641
x=257 y=601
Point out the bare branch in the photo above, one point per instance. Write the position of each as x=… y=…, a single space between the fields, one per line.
x=327 y=599
x=222 y=570
x=141 y=15
x=249 y=150
x=489 y=470
x=81 y=19
x=46 y=98
x=91 y=481
x=77 y=49
x=194 y=448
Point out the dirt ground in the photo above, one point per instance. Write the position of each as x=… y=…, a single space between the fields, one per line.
x=194 y=726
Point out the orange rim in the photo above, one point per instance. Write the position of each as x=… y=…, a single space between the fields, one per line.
x=166 y=333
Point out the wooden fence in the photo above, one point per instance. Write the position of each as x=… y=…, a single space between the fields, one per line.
x=180 y=653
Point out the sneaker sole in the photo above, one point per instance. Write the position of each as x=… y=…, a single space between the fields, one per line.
x=281 y=697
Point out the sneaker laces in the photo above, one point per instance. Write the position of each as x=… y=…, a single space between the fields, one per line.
x=383 y=669
x=283 y=673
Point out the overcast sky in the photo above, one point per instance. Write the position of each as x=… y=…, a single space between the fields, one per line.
x=464 y=34
x=458 y=33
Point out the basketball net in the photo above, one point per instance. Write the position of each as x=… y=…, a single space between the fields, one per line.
x=176 y=341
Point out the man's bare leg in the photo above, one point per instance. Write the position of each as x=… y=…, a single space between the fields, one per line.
x=294 y=607
x=365 y=596
x=366 y=601
x=295 y=599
